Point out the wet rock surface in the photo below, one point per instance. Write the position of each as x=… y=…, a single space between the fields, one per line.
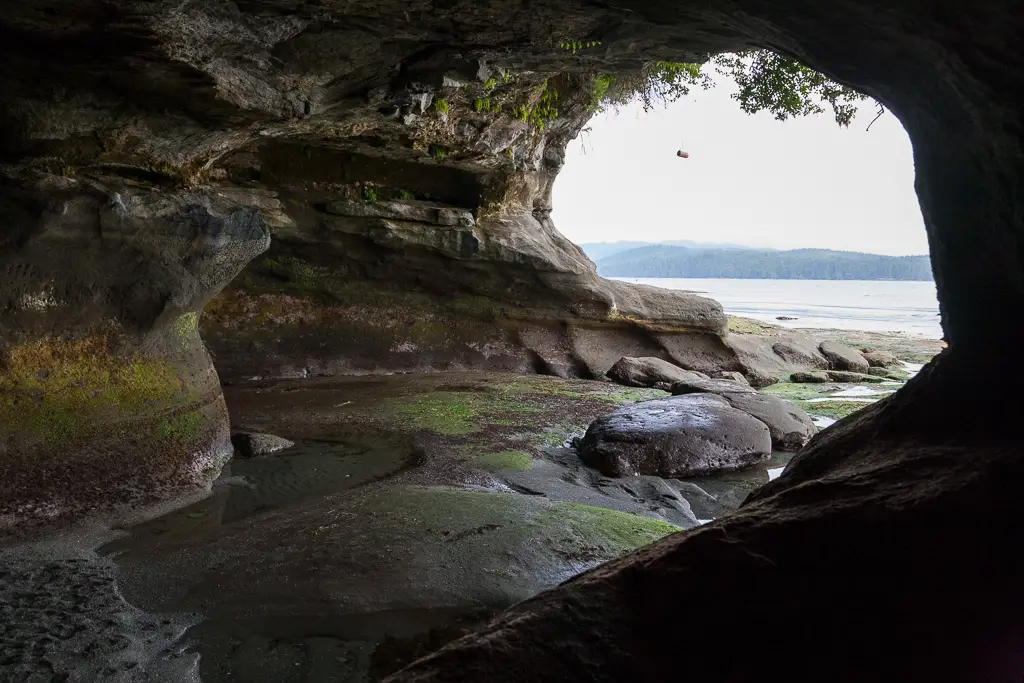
x=844 y=376
x=710 y=386
x=649 y=372
x=63 y=617
x=880 y=359
x=412 y=509
x=843 y=358
x=733 y=377
x=790 y=427
x=782 y=542
x=248 y=444
x=814 y=377
x=677 y=437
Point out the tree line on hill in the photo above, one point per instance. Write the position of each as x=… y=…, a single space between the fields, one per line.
x=796 y=264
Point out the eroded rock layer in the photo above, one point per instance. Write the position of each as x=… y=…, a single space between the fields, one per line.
x=401 y=157
x=107 y=396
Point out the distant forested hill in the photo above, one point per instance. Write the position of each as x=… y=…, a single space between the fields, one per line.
x=599 y=250
x=798 y=264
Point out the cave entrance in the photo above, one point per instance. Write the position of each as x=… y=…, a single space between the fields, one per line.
x=804 y=230
x=798 y=223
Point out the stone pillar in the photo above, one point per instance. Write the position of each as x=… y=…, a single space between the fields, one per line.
x=108 y=397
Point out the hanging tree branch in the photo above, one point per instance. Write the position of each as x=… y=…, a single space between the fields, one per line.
x=881 y=110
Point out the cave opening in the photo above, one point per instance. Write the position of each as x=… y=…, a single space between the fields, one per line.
x=135 y=189
x=741 y=218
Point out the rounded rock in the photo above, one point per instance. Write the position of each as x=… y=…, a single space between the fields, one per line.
x=675 y=437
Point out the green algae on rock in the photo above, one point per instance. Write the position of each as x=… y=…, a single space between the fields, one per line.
x=504 y=460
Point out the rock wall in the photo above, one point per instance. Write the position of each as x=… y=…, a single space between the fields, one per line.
x=400 y=157
x=107 y=395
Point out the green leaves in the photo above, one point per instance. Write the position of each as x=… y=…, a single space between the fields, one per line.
x=767 y=82
x=575 y=46
x=785 y=87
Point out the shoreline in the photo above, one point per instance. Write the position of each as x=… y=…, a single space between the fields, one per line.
x=906 y=346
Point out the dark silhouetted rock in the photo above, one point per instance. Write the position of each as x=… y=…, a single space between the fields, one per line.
x=789 y=425
x=675 y=437
x=649 y=372
x=841 y=357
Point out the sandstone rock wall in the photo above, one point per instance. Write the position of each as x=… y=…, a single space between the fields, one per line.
x=107 y=395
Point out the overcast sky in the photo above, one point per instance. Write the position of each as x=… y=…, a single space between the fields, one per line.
x=749 y=180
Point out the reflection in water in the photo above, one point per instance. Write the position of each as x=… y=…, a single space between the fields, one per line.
x=253 y=486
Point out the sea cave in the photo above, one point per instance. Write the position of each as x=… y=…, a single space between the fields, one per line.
x=299 y=381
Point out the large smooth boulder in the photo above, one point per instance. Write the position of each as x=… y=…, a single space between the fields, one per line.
x=790 y=427
x=881 y=359
x=842 y=357
x=650 y=372
x=795 y=352
x=710 y=386
x=675 y=437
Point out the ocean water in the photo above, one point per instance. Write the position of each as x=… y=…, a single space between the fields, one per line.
x=868 y=305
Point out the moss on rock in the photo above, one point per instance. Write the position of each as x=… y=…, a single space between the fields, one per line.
x=519 y=461
x=833 y=409
x=58 y=391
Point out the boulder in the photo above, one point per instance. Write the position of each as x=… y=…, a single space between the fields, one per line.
x=878 y=372
x=710 y=386
x=248 y=444
x=794 y=352
x=841 y=357
x=881 y=359
x=733 y=376
x=813 y=377
x=840 y=376
x=790 y=427
x=649 y=372
x=675 y=437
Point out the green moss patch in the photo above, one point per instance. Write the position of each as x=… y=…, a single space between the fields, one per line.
x=749 y=326
x=571 y=531
x=833 y=409
x=520 y=461
x=472 y=408
x=183 y=428
x=611 y=531
x=57 y=391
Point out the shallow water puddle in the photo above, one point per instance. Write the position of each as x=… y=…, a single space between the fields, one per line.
x=912 y=368
x=251 y=486
x=722 y=493
x=834 y=397
x=860 y=391
x=821 y=422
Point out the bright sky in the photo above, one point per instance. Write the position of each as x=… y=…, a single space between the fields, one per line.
x=749 y=180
